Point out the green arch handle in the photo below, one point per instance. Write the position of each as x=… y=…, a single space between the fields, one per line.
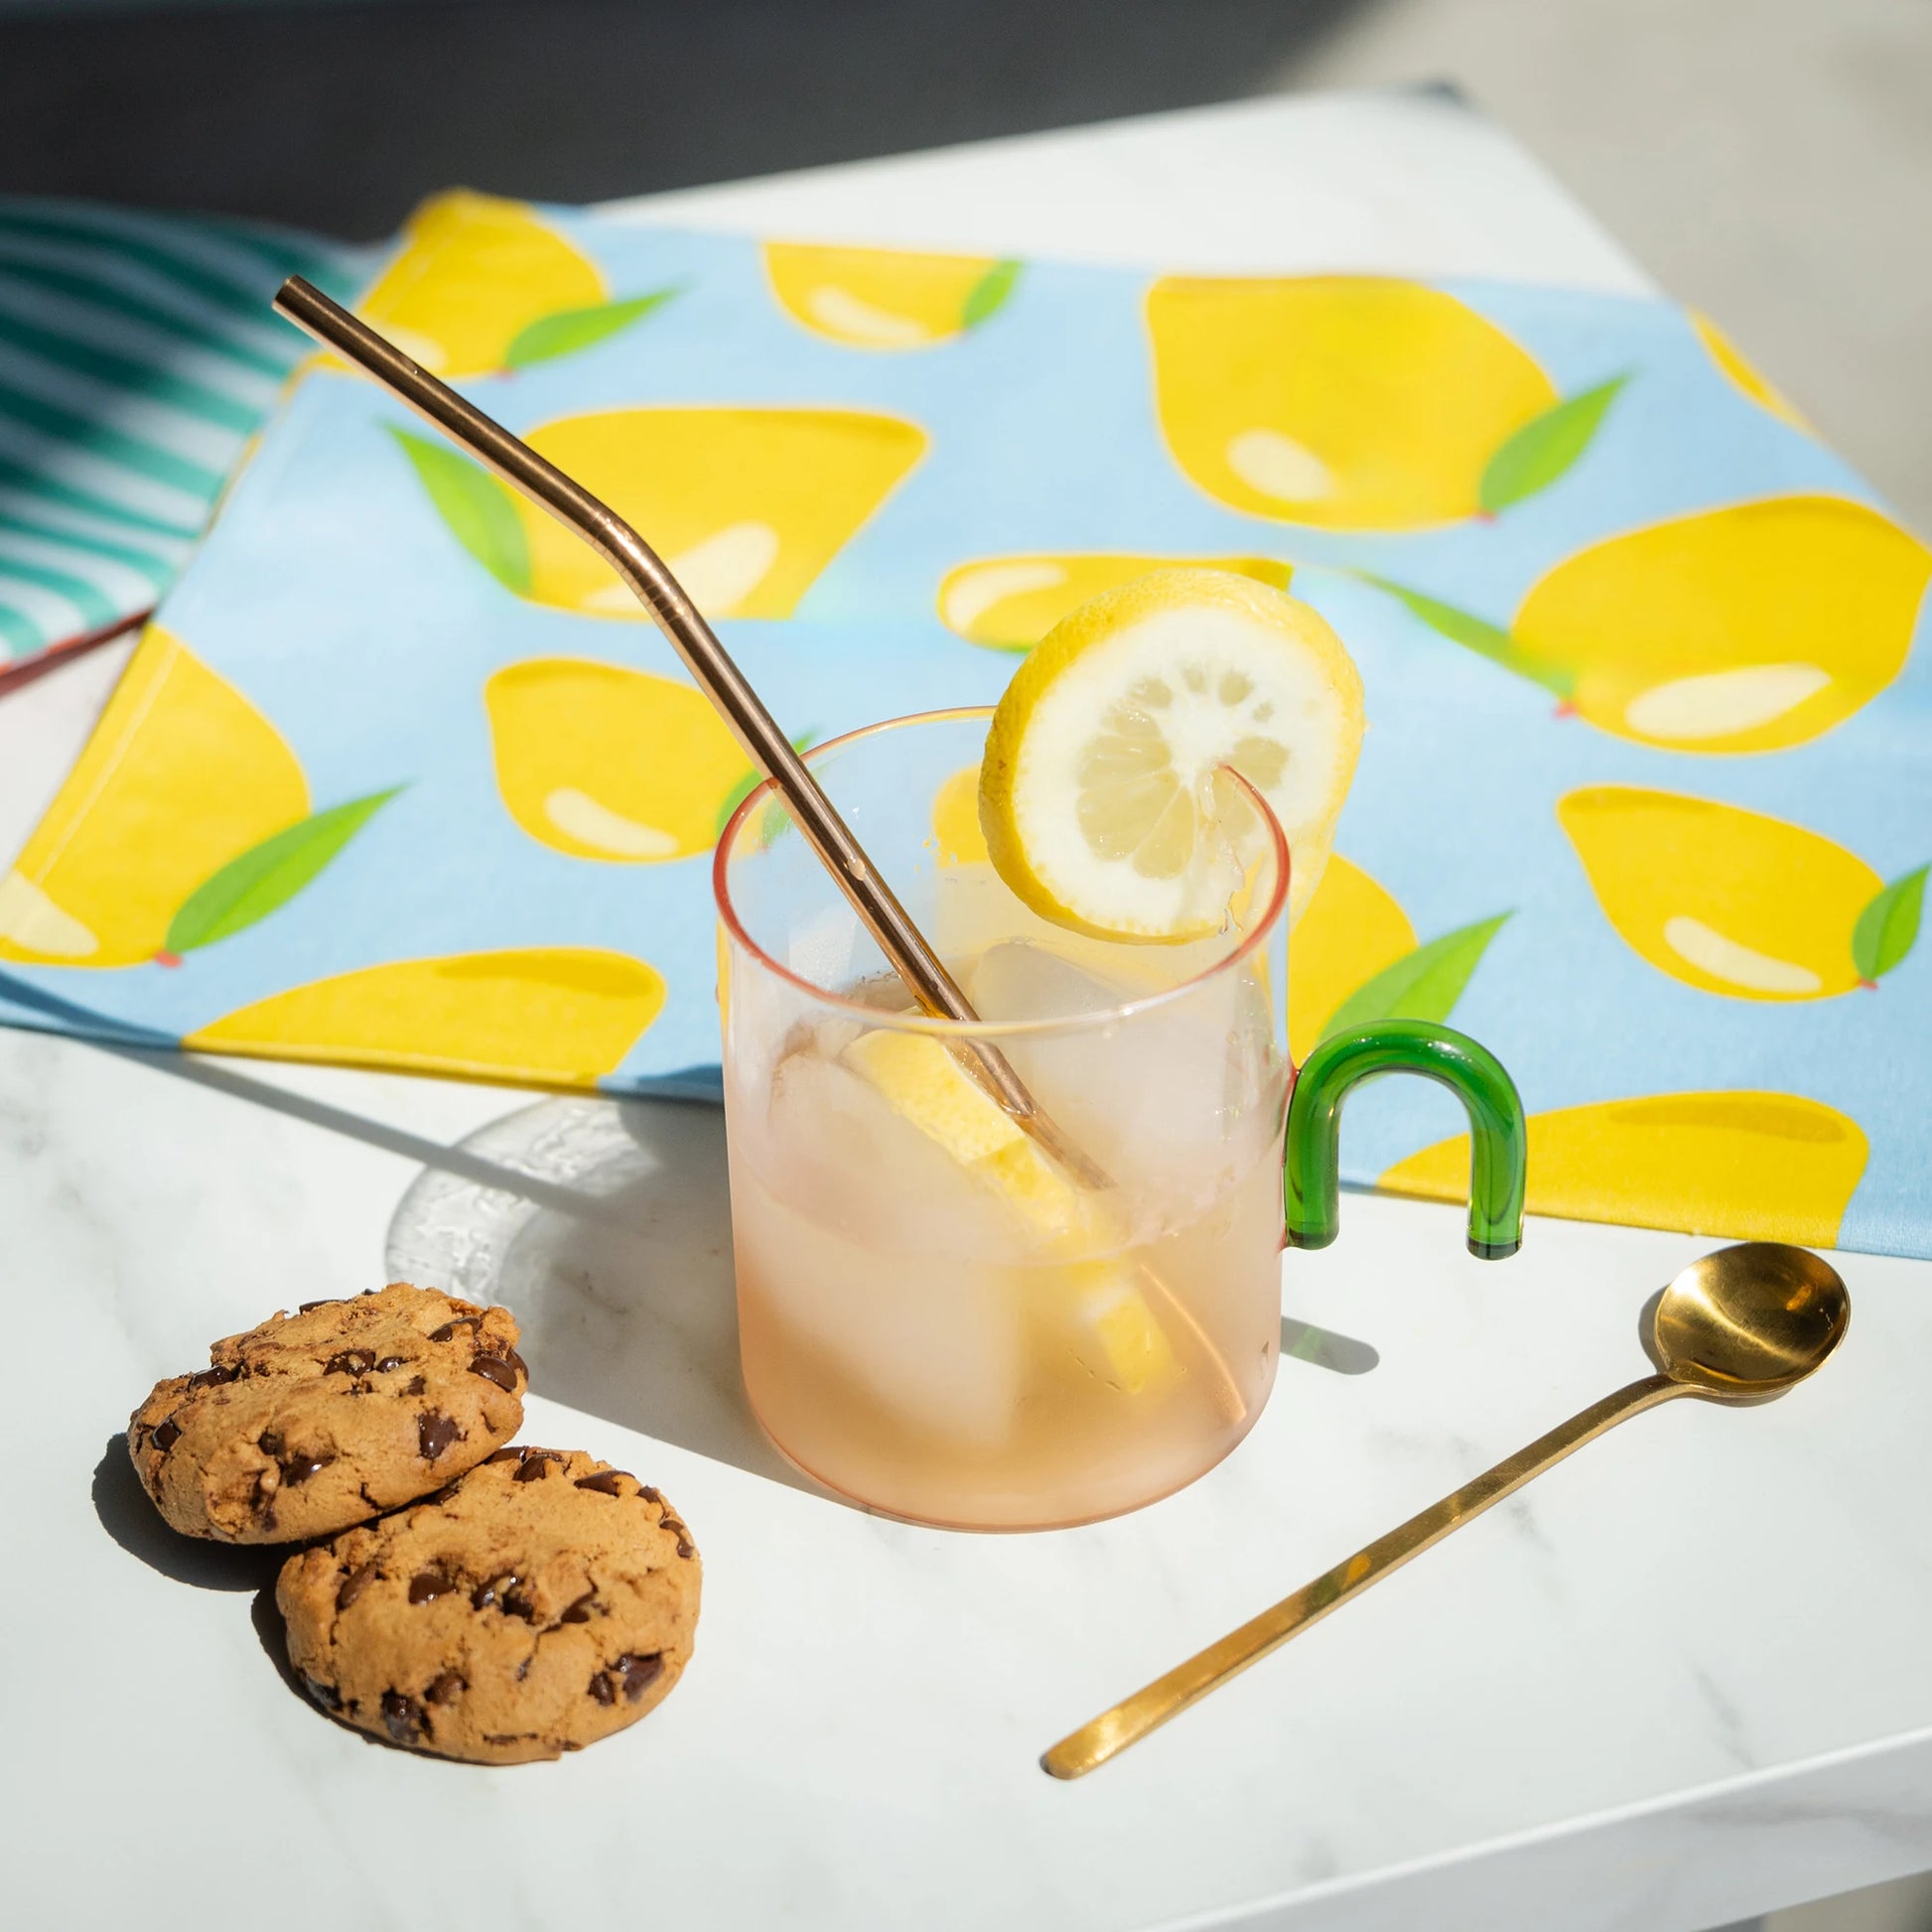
x=1498 y=1138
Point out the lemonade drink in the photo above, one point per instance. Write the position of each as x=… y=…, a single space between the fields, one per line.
x=935 y=1317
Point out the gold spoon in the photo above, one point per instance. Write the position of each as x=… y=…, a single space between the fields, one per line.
x=1742 y=1324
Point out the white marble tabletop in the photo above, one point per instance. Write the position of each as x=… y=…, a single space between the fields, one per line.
x=1682 y=1680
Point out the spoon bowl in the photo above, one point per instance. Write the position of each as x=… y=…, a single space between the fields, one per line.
x=1746 y=1323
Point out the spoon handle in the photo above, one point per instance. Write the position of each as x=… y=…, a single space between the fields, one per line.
x=1128 y=1722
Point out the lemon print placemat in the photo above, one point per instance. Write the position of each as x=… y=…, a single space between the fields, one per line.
x=403 y=777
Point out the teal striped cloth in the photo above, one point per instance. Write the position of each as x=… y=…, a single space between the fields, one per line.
x=137 y=355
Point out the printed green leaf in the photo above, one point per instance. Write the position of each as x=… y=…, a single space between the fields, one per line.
x=1887 y=927
x=568 y=330
x=1545 y=447
x=1422 y=985
x=1479 y=636
x=476 y=506
x=269 y=875
x=988 y=295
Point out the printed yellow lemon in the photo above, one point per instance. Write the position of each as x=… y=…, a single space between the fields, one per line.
x=1730 y=361
x=1100 y=792
x=956 y=834
x=181 y=776
x=1349 y=402
x=1753 y=1167
x=883 y=298
x=605 y=762
x=1351 y=930
x=1738 y=630
x=1723 y=898
x=546 y=1015
x=475 y=272
x=1012 y=602
x=746 y=505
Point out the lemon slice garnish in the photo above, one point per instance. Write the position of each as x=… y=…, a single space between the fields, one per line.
x=1100 y=793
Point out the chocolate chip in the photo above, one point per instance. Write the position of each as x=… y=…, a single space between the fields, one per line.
x=352 y=1361
x=435 y=1434
x=491 y=1370
x=436 y=1496
x=639 y=1674
x=414 y=1386
x=428 y=1583
x=403 y=1717
x=448 y=1331
x=324 y=1695
x=536 y=1468
x=517 y=1362
x=269 y=1442
x=508 y=1455
x=389 y=1362
x=603 y=1690
x=211 y=1378
x=299 y=1469
x=355 y=1583
x=686 y=1549
x=444 y=1688
x=605 y=1481
x=579 y=1611
x=326 y=1301
x=652 y=1495
x=506 y=1593
x=166 y=1436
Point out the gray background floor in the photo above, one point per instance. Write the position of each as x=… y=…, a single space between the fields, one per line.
x=1769 y=161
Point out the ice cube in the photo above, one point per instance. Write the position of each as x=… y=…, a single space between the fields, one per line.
x=1155 y=1096
x=938 y=1345
x=834 y=1146
x=872 y=1242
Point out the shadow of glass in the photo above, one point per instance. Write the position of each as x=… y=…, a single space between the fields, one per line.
x=611 y=1242
x=605 y=1226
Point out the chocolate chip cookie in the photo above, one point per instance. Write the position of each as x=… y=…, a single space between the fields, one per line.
x=540 y=1603
x=328 y=1416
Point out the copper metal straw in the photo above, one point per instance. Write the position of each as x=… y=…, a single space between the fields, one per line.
x=841 y=854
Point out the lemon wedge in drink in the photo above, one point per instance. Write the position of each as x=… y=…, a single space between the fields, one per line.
x=1117 y=1336
x=928 y=1088
x=1117 y=1333
x=1102 y=793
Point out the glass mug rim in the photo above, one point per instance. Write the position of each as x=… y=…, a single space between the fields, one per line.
x=1254 y=938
